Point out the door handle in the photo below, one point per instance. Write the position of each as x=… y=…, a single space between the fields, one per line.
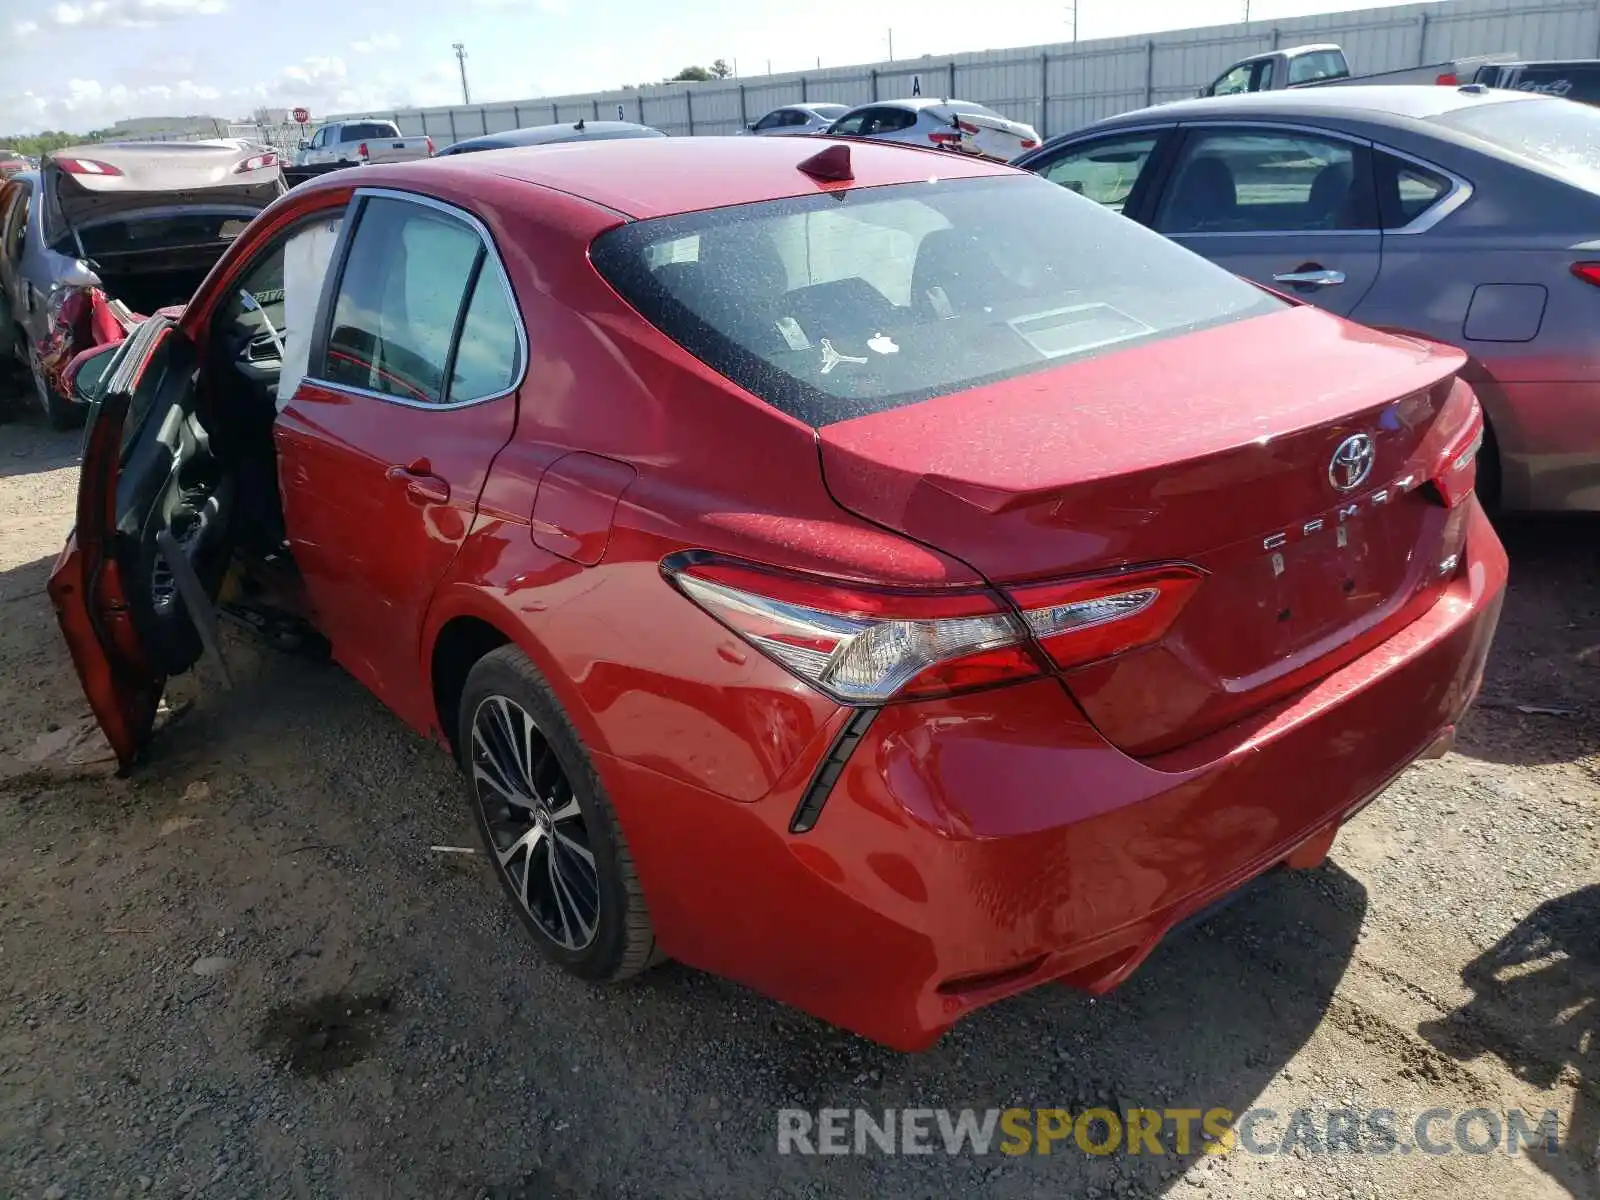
x=1311 y=276
x=422 y=485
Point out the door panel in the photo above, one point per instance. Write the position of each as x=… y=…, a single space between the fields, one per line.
x=384 y=447
x=1294 y=211
x=120 y=678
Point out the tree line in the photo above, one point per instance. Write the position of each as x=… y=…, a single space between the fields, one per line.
x=35 y=144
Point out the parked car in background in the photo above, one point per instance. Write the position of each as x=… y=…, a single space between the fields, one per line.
x=1463 y=215
x=1324 y=64
x=1572 y=79
x=12 y=163
x=989 y=584
x=957 y=125
x=551 y=135
x=107 y=232
x=793 y=120
x=358 y=144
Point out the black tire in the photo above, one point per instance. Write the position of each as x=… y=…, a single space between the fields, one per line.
x=59 y=411
x=623 y=941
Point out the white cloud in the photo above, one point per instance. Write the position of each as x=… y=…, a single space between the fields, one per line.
x=378 y=43
x=124 y=13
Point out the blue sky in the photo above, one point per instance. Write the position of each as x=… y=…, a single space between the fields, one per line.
x=82 y=64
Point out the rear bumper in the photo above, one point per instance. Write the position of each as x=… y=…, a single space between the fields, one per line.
x=977 y=846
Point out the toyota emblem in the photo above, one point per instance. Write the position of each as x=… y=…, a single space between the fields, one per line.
x=1352 y=463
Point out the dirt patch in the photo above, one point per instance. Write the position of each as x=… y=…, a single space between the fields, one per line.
x=245 y=970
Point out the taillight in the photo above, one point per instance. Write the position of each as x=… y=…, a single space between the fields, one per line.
x=966 y=127
x=1456 y=469
x=1079 y=621
x=941 y=137
x=865 y=646
x=1589 y=272
x=430 y=146
x=361 y=150
x=1448 y=79
x=1029 y=143
x=259 y=162
x=86 y=166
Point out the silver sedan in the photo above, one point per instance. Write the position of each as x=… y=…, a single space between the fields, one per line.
x=1464 y=215
x=958 y=125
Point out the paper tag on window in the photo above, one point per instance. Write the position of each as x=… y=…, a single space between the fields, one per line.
x=793 y=334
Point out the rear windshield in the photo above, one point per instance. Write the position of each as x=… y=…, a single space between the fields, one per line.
x=836 y=305
x=830 y=110
x=1569 y=81
x=1558 y=135
x=361 y=131
x=967 y=106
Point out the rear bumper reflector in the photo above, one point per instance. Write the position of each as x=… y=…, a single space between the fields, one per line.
x=844 y=745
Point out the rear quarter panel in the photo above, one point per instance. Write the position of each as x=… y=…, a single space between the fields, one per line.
x=1494 y=279
x=644 y=675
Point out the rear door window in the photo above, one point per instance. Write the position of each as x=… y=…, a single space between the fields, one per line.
x=1233 y=181
x=834 y=305
x=852 y=123
x=408 y=271
x=1105 y=171
x=1406 y=190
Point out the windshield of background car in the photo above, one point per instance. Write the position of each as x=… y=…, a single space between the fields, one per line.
x=836 y=305
x=1559 y=135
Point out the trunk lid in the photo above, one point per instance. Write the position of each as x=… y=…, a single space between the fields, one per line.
x=1215 y=449
x=991 y=135
x=158 y=180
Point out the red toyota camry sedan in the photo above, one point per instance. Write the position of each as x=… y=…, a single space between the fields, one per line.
x=878 y=576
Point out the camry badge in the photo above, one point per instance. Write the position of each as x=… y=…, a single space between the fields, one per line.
x=1352 y=463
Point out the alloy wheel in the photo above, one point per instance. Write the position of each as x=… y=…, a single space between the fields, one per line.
x=536 y=827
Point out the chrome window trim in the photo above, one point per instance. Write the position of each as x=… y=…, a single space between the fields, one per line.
x=1332 y=135
x=491 y=255
x=1460 y=192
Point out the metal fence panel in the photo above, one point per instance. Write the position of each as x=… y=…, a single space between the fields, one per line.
x=1062 y=86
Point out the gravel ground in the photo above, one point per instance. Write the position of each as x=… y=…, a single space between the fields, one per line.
x=242 y=972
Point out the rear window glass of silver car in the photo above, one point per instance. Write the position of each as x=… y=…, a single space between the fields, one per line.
x=1560 y=136
x=833 y=306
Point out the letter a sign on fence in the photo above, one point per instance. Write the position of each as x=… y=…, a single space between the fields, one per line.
x=916 y=85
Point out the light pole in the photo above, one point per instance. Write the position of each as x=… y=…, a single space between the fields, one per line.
x=1072 y=15
x=461 y=60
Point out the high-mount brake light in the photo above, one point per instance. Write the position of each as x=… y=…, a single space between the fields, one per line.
x=868 y=646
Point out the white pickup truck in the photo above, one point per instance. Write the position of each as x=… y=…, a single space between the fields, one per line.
x=357 y=143
x=1324 y=65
